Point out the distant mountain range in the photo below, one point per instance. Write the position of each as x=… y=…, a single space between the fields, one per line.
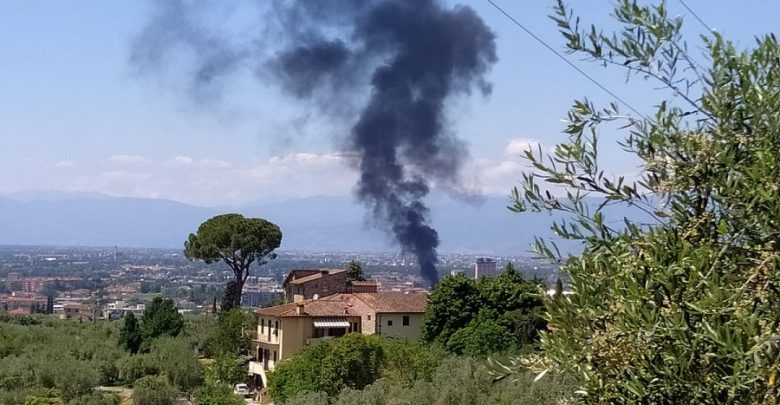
x=310 y=224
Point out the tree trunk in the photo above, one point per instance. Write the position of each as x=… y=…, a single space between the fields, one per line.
x=240 y=280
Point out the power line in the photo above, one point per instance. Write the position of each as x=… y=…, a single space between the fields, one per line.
x=563 y=58
x=696 y=16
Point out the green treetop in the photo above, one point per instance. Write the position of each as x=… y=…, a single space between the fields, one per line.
x=489 y=315
x=161 y=318
x=130 y=336
x=355 y=271
x=237 y=241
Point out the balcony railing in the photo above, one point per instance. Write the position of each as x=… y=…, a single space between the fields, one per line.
x=311 y=341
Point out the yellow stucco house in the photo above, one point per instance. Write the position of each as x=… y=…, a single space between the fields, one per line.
x=283 y=330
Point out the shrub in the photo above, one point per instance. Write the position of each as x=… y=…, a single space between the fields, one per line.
x=95 y=398
x=136 y=366
x=216 y=395
x=153 y=390
x=176 y=361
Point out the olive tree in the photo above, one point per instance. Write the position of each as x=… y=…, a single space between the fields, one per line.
x=237 y=241
x=682 y=308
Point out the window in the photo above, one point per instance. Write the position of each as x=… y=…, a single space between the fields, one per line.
x=276 y=328
x=262 y=326
x=405 y=320
x=274 y=356
x=389 y=323
x=369 y=317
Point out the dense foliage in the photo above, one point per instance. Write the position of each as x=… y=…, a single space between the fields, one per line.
x=489 y=315
x=230 y=296
x=353 y=361
x=217 y=395
x=47 y=358
x=456 y=381
x=226 y=369
x=684 y=309
x=44 y=360
x=228 y=336
x=160 y=318
x=153 y=390
x=130 y=336
x=176 y=361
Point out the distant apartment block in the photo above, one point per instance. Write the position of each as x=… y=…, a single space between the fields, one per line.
x=120 y=309
x=284 y=330
x=73 y=310
x=485 y=267
x=22 y=303
x=33 y=284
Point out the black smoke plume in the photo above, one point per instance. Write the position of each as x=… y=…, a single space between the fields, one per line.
x=410 y=56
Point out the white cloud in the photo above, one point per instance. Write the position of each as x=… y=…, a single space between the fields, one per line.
x=308 y=173
x=120 y=175
x=302 y=161
x=210 y=181
x=214 y=164
x=499 y=175
x=517 y=147
x=64 y=164
x=205 y=163
x=181 y=161
x=130 y=160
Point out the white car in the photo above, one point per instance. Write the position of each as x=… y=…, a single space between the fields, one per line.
x=241 y=389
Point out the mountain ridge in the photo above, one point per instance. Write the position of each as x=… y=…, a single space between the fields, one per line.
x=332 y=223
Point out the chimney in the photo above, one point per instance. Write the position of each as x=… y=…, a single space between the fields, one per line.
x=299 y=308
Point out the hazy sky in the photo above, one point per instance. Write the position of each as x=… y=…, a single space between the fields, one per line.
x=75 y=116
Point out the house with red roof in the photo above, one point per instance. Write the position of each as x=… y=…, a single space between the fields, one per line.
x=284 y=330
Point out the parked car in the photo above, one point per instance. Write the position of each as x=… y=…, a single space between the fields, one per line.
x=241 y=389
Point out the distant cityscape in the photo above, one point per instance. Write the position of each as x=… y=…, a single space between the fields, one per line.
x=89 y=283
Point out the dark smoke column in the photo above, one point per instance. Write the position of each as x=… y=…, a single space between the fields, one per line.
x=423 y=53
x=400 y=59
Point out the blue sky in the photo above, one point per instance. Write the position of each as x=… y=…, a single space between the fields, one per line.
x=75 y=116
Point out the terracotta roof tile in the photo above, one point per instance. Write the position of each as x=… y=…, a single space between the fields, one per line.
x=332 y=305
x=279 y=310
x=338 y=305
x=310 y=277
x=395 y=302
x=367 y=283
